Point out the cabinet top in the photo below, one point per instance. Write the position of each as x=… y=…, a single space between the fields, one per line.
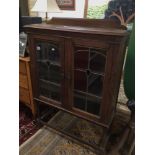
x=91 y=26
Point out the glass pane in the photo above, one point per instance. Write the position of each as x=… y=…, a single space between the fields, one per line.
x=80 y=80
x=48 y=51
x=81 y=58
x=41 y=51
x=86 y=103
x=49 y=68
x=50 y=72
x=50 y=90
x=95 y=84
x=79 y=101
x=55 y=74
x=89 y=68
x=43 y=70
x=53 y=53
x=93 y=106
x=97 y=61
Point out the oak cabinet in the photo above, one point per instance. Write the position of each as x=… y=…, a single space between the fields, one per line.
x=76 y=66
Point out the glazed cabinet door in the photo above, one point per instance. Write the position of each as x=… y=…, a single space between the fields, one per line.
x=48 y=67
x=88 y=73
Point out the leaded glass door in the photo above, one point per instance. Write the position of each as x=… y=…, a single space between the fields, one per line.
x=50 y=65
x=89 y=72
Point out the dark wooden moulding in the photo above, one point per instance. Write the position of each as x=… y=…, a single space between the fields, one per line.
x=92 y=33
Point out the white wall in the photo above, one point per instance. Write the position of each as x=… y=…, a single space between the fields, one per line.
x=97 y=2
x=78 y=13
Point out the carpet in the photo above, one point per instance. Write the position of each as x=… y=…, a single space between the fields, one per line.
x=27 y=125
x=48 y=142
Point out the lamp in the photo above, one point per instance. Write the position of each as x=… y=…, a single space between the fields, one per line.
x=46 y=6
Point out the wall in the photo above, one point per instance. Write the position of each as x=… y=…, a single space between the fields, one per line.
x=78 y=13
x=30 y=5
x=97 y=2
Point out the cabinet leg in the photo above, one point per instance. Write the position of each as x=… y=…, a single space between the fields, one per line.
x=38 y=115
x=127 y=141
x=34 y=114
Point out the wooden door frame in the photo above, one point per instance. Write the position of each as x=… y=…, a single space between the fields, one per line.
x=60 y=41
x=85 y=9
x=95 y=43
x=24 y=7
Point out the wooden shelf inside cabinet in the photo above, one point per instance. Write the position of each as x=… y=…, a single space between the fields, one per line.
x=25 y=85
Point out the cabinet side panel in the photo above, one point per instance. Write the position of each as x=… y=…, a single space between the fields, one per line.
x=115 y=60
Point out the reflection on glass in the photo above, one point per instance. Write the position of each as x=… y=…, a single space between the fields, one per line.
x=48 y=59
x=50 y=90
x=53 y=53
x=48 y=51
x=89 y=68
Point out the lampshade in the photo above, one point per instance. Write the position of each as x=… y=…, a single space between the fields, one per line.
x=46 y=6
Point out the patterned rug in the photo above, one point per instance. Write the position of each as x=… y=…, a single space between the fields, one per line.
x=48 y=142
x=27 y=125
